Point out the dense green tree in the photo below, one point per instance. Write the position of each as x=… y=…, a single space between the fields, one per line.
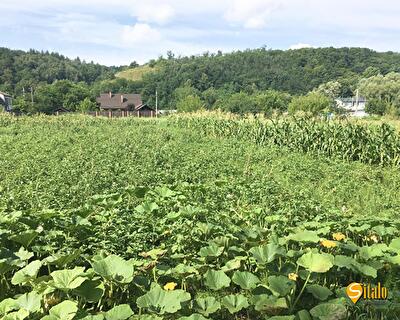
x=382 y=93
x=241 y=102
x=189 y=103
x=330 y=89
x=272 y=100
x=86 y=105
x=19 y=69
x=64 y=93
x=313 y=103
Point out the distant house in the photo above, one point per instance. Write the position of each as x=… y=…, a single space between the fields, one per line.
x=6 y=101
x=124 y=102
x=354 y=106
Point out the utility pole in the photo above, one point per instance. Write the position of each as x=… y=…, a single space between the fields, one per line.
x=156 y=103
x=32 y=95
x=357 y=98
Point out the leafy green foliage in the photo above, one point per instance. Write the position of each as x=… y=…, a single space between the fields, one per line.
x=192 y=227
x=314 y=103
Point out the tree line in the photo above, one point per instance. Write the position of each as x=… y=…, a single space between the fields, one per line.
x=259 y=80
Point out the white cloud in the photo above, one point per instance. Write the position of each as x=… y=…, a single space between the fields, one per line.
x=300 y=46
x=125 y=30
x=139 y=34
x=154 y=13
x=252 y=14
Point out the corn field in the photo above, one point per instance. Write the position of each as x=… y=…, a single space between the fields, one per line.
x=371 y=144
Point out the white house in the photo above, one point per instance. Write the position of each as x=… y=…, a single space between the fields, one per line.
x=6 y=101
x=354 y=106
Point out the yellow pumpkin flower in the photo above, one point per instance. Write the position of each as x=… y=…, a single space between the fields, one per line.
x=338 y=236
x=374 y=238
x=293 y=276
x=170 y=286
x=328 y=244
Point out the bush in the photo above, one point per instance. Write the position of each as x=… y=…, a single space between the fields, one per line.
x=313 y=103
x=272 y=100
x=189 y=104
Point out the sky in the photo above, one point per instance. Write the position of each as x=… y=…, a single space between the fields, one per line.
x=118 y=32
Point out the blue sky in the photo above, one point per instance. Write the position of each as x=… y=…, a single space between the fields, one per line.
x=116 y=32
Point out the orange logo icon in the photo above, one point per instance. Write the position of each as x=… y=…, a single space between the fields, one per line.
x=354 y=291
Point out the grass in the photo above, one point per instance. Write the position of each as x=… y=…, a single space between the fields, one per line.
x=135 y=74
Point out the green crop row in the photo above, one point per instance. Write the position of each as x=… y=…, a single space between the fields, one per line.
x=142 y=219
x=344 y=140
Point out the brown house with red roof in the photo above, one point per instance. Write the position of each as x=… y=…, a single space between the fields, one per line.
x=123 y=102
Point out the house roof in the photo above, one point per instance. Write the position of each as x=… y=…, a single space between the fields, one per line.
x=62 y=109
x=119 y=100
x=353 y=99
x=143 y=106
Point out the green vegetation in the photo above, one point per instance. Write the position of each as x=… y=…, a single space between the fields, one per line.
x=383 y=94
x=19 y=69
x=313 y=103
x=170 y=219
x=344 y=140
x=232 y=81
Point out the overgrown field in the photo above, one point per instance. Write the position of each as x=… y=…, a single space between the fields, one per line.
x=157 y=219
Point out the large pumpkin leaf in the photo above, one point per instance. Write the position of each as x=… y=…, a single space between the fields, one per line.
x=66 y=280
x=395 y=244
x=25 y=238
x=316 y=262
x=8 y=305
x=280 y=285
x=329 y=311
x=161 y=301
x=27 y=273
x=232 y=264
x=30 y=302
x=216 y=280
x=267 y=253
x=211 y=251
x=376 y=250
x=146 y=207
x=235 y=303
x=207 y=305
x=91 y=290
x=18 y=315
x=352 y=264
x=305 y=236
x=245 y=280
x=319 y=292
x=121 y=312
x=114 y=268
x=65 y=310
x=269 y=304
x=61 y=260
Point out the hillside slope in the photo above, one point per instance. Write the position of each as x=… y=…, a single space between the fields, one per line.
x=20 y=69
x=293 y=71
x=135 y=74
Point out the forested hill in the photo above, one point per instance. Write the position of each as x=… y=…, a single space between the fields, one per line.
x=293 y=71
x=210 y=77
x=20 y=69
